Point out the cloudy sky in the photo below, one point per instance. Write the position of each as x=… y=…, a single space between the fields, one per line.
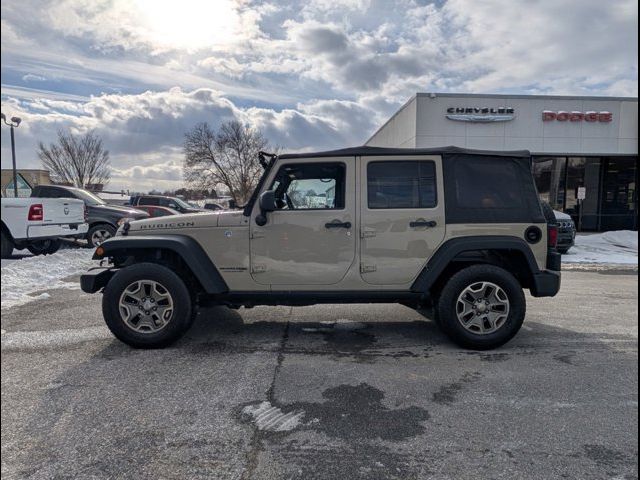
x=311 y=75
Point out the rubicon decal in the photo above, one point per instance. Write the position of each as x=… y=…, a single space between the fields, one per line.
x=574 y=116
x=158 y=226
x=481 y=114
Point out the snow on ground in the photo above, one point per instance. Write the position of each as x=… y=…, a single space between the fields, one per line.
x=24 y=275
x=619 y=247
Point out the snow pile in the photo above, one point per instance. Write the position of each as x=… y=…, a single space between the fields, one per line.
x=23 y=277
x=619 y=247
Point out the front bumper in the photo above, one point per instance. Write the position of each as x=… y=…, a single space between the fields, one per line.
x=566 y=239
x=96 y=279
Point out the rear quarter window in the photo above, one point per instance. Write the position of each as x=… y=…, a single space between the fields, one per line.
x=482 y=184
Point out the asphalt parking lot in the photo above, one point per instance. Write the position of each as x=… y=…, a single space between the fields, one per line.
x=348 y=392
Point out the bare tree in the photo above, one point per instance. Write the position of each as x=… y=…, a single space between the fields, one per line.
x=228 y=157
x=77 y=159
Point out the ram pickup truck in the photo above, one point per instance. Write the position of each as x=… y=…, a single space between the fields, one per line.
x=37 y=223
x=103 y=219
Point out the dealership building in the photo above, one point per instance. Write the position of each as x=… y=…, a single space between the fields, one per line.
x=585 y=149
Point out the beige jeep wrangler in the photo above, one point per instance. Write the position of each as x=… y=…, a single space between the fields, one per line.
x=459 y=231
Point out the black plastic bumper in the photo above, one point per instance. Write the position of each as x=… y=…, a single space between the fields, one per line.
x=96 y=279
x=546 y=283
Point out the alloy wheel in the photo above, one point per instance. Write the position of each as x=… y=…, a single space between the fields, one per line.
x=482 y=308
x=146 y=306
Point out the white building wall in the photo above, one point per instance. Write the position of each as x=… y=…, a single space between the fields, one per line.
x=422 y=122
x=400 y=130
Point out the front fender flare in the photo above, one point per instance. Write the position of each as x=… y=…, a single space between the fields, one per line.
x=186 y=247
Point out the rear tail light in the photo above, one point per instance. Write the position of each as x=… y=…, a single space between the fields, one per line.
x=552 y=231
x=36 y=213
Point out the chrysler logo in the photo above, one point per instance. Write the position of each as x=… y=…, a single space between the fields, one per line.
x=481 y=114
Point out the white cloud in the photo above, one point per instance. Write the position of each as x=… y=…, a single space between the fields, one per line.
x=315 y=75
x=144 y=133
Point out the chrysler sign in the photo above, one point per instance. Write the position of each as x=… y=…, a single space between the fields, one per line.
x=481 y=114
x=566 y=116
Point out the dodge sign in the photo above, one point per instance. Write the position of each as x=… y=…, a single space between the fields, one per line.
x=566 y=116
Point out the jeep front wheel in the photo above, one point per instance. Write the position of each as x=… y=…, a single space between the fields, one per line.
x=482 y=307
x=147 y=306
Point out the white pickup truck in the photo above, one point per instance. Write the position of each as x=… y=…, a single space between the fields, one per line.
x=37 y=223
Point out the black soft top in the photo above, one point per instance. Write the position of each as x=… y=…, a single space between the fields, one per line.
x=383 y=151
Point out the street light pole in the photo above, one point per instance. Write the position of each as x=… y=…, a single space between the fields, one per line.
x=13 y=159
x=15 y=121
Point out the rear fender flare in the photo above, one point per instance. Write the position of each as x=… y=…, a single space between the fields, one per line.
x=454 y=247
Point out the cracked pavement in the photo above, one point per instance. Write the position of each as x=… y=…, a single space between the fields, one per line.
x=345 y=391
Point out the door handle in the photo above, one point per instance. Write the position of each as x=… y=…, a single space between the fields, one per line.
x=337 y=225
x=423 y=223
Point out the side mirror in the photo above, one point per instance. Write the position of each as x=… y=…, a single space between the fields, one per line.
x=267 y=203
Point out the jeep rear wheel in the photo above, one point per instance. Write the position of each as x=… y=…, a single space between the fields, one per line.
x=482 y=307
x=147 y=306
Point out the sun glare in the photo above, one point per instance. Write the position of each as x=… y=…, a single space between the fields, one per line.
x=187 y=24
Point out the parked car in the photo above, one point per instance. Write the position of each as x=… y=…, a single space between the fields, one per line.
x=37 y=223
x=383 y=234
x=163 y=201
x=102 y=218
x=156 y=211
x=566 y=231
x=213 y=206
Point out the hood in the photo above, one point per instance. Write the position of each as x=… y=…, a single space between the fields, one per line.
x=173 y=223
x=561 y=215
x=124 y=211
x=232 y=218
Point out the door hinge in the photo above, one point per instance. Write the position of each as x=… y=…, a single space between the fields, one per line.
x=367 y=233
x=258 y=268
x=257 y=234
x=367 y=268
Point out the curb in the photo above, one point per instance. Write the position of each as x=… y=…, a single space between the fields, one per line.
x=600 y=267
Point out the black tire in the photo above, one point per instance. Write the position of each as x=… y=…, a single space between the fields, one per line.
x=45 y=247
x=177 y=326
x=109 y=231
x=447 y=305
x=6 y=245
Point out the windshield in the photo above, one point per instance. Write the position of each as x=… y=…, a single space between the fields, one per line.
x=181 y=203
x=89 y=198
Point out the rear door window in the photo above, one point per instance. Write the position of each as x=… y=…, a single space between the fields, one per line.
x=149 y=201
x=401 y=184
